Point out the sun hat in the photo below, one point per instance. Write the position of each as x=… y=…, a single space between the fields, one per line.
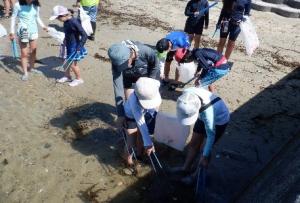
x=58 y=11
x=180 y=53
x=119 y=55
x=188 y=105
x=147 y=92
x=162 y=45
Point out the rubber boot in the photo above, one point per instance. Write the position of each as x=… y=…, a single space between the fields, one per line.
x=92 y=37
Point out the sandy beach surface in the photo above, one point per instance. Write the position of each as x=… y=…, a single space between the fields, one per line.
x=59 y=144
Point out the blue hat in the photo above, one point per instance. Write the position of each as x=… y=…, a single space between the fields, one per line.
x=118 y=54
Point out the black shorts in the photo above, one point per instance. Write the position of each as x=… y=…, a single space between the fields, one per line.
x=199 y=128
x=130 y=123
x=194 y=28
x=233 y=31
x=170 y=56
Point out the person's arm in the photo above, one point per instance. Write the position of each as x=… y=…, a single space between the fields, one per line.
x=153 y=65
x=83 y=35
x=248 y=8
x=206 y=17
x=138 y=115
x=38 y=19
x=14 y=17
x=208 y=118
x=118 y=91
x=202 y=62
x=188 y=10
x=220 y=19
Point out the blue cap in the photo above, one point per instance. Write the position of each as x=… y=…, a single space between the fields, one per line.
x=118 y=54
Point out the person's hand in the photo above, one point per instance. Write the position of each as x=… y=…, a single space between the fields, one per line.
x=149 y=150
x=12 y=36
x=120 y=122
x=196 y=13
x=204 y=161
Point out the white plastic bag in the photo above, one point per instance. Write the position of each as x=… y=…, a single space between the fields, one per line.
x=3 y=31
x=59 y=36
x=186 y=71
x=85 y=21
x=249 y=36
x=170 y=131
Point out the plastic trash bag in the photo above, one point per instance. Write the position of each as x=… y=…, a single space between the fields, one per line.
x=186 y=71
x=3 y=31
x=249 y=36
x=175 y=135
x=85 y=21
x=58 y=36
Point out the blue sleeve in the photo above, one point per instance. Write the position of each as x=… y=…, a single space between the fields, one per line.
x=83 y=35
x=208 y=118
x=184 y=41
x=188 y=10
x=202 y=63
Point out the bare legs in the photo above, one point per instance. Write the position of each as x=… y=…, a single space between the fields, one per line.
x=229 y=48
x=28 y=52
x=197 y=39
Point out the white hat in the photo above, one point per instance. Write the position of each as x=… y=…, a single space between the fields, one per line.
x=147 y=91
x=58 y=11
x=188 y=105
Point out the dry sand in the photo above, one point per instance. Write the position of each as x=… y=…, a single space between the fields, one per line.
x=58 y=144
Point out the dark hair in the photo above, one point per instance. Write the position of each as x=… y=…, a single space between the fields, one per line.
x=228 y=5
x=162 y=45
x=34 y=2
x=188 y=57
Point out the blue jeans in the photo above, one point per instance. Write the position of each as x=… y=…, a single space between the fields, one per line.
x=214 y=74
x=92 y=11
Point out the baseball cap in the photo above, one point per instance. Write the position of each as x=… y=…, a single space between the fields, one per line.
x=119 y=55
x=147 y=91
x=188 y=105
x=58 y=11
x=162 y=45
x=180 y=53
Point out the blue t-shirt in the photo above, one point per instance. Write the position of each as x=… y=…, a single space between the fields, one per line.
x=179 y=40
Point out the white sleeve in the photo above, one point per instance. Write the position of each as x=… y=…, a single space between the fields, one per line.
x=14 y=17
x=38 y=19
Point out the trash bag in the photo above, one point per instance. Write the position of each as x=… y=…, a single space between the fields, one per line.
x=85 y=21
x=59 y=36
x=186 y=71
x=3 y=31
x=249 y=36
x=175 y=135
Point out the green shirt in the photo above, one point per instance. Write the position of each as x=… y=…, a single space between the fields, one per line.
x=89 y=2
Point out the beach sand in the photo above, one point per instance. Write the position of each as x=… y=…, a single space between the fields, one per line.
x=59 y=144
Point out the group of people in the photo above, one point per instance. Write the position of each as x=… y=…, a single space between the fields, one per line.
x=138 y=75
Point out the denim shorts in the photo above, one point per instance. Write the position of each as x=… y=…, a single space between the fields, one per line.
x=233 y=31
x=214 y=74
x=92 y=11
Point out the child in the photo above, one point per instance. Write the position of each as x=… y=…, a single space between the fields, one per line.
x=91 y=8
x=75 y=38
x=28 y=13
x=140 y=112
x=196 y=19
x=211 y=65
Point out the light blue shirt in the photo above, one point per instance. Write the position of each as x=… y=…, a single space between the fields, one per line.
x=135 y=111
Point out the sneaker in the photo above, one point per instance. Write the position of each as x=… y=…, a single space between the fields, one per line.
x=63 y=80
x=76 y=82
x=24 y=77
x=35 y=71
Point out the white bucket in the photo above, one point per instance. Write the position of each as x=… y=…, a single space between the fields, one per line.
x=3 y=31
x=186 y=71
x=169 y=131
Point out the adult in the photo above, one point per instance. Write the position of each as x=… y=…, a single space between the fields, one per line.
x=130 y=61
x=196 y=19
x=172 y=42
x=91 y=7
x=210 y=115
x=8 y=6
x=140 y=111
x=229 y=23
x=28 y=13
x=211 y=65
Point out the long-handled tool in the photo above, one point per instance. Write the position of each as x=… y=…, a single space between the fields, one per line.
x=68 y=62
x=14 y=49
